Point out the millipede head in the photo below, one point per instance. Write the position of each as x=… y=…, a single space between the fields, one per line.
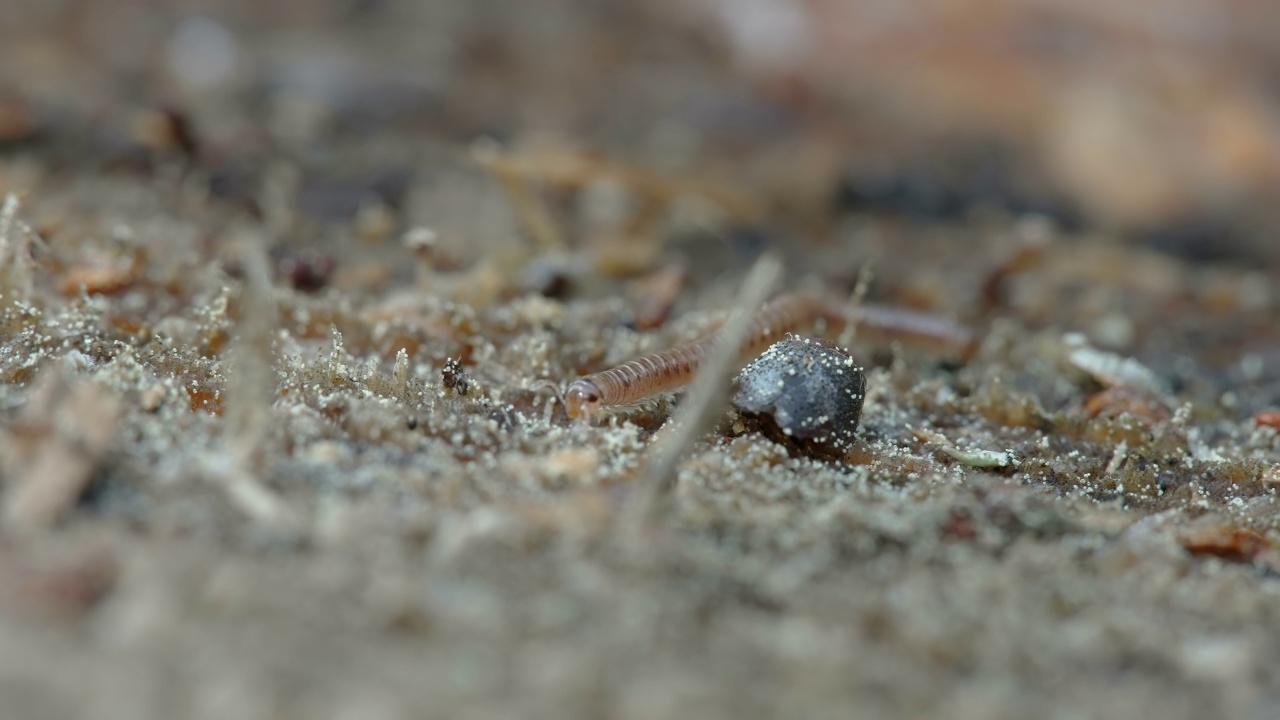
x=583 y=399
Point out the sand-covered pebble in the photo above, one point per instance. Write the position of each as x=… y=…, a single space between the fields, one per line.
x=807 y=393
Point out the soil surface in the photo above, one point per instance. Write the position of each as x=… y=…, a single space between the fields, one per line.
x=290 y=291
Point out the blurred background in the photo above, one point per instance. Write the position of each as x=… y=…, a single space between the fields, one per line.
x=1155 y=121
x=418 y=178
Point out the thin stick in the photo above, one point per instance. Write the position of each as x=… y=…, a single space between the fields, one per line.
x=533 y=211
x=8 y=213
x=250 y=392
x=710 y=386
x=854 y=309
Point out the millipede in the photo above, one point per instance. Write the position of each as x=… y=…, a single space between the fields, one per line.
x=634 y=381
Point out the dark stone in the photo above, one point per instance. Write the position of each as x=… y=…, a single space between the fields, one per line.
x=804 y=393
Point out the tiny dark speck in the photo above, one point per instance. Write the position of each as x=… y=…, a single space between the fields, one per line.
x=453 y=378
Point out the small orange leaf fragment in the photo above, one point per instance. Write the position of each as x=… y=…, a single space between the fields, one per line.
x=1270 y=418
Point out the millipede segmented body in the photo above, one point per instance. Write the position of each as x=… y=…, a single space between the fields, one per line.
x=636 y=380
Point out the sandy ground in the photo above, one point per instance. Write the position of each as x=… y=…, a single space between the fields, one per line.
x=241 y=244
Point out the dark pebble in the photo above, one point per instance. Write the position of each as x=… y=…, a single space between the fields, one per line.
x=806 y=394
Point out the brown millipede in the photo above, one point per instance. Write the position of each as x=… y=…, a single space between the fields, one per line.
x=636 y=380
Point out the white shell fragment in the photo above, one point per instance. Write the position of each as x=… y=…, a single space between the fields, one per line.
x=985 y=459
x=1111 y=369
